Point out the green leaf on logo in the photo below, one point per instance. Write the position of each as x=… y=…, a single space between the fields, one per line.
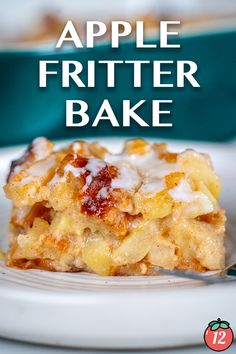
x=225 y=322
x=224 y=325
x=212 y=323
x=215 y=327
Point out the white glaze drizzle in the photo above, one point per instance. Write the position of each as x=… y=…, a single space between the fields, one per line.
x=183 y=193
x=38 y=170
x=128 y=179
x=40 y=148
x=152 y=186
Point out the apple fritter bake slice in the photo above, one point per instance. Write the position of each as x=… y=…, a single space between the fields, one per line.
x=84 y=208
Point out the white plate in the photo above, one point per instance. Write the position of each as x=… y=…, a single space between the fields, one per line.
x=84 y=310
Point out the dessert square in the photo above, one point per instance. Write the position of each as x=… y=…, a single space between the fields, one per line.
x=83 y=208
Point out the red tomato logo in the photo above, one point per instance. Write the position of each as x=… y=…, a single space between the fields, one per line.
x=218 y=336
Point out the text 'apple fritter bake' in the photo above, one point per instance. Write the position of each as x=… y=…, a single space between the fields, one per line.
x=83 y=208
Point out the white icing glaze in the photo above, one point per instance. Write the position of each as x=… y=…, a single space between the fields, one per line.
x=201 y=205
x=152 y=186
x=162 y=170
x=38 y=170
x=40 y=148
x=56 y=179
x=76 y=171
x=76 y=146
x=95 y=166
x=128 y=179
x=148 y=165
x=183 y=193
x=89 y=179
x=140 y=162
x=41 y=168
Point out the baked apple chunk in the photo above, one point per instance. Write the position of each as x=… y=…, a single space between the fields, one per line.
x=83 y=208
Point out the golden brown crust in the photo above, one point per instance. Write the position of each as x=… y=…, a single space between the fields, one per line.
x=84 y=208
